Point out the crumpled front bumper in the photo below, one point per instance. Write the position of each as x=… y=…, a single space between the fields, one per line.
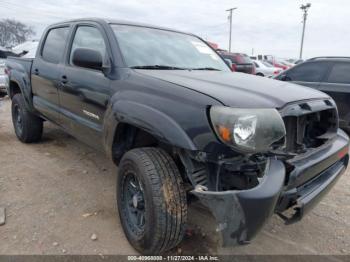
x=240 y=214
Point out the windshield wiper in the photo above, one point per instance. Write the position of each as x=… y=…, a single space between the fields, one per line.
x=206 y=68
x=158 y=67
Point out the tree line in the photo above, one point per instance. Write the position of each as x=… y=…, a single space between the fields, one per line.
x=13 y=32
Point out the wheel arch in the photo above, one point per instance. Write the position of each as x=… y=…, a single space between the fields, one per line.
x=20 y=84
x=14 y=89
x=130 y=124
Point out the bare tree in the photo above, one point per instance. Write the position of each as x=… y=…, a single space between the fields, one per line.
x=13 y=32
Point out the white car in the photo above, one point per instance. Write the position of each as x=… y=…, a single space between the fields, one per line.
x=3 y=77
x=265 y=69
x=26 y=49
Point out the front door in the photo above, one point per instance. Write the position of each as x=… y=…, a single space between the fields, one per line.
x=84 y=93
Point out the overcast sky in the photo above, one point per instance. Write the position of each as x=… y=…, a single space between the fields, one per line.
x=268 y=27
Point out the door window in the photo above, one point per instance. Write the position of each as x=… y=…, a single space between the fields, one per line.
x=88 y=37
x=308 y=72
x=340 y=73
x=54 y=44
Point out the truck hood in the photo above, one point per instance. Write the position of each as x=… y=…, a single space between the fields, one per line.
x=238 y=89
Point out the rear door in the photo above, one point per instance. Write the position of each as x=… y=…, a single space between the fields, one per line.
x=337 y=85
x=84 y=93
x=308 y=74
x=46 y=70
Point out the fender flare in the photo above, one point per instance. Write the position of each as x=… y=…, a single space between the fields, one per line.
x=23 y=82
x=147 y=118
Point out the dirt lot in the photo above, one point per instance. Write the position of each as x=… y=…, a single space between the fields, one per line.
x=59 y=192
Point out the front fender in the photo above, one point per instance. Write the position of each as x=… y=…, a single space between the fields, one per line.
x=147 y=118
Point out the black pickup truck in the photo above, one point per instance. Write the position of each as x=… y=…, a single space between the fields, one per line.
x=181 y=126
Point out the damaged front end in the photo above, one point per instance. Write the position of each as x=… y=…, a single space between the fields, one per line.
x=240 y=192
x=243 y=190
x=240 y=214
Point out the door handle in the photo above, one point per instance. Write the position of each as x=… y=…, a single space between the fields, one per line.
x=64 y=79
x=36 y=71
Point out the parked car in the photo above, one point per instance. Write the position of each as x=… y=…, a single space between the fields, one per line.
x=274 y=61
x=3 y=78
x=168 y=111
x=4 y=53
x=295 y=61
x=328 y=74
x=261 y=69
x=240 y=62
x=299 y=61
x=26 y=49
x=285 y=62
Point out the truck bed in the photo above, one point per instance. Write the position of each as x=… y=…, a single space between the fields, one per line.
x=23 y=65
x=20 y=73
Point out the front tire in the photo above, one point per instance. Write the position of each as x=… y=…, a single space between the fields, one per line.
x=151 y=200
x=28 y=127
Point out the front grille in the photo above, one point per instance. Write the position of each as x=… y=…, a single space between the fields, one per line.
x=309 y=125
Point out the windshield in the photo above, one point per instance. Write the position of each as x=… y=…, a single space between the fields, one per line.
x=150 y=48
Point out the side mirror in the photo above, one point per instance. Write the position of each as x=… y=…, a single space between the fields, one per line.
x=87 y=58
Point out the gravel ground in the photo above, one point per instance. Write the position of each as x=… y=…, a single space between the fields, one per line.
x=59 y=197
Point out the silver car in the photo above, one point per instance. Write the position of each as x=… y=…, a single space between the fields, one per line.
x=3 y=78
x=265 y=69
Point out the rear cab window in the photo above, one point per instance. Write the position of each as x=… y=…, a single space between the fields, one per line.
x=54 y=45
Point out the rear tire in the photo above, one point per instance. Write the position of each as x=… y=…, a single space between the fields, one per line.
x=28 y=127
x=260 y=74
x=149 y=183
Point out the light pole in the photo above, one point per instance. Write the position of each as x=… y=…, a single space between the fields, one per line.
x=304 y=8
x=230 y=18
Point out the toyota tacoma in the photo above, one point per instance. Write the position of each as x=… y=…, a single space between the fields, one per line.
x=166 y=108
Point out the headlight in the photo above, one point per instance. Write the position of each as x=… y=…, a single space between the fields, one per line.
x=248 y=130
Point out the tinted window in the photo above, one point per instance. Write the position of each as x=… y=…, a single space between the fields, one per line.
x=238 y=58
x=308 y=72
x=232 y=58
x=54 y=44
x=243 y=59
x=90 y=38
x=340 y=73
